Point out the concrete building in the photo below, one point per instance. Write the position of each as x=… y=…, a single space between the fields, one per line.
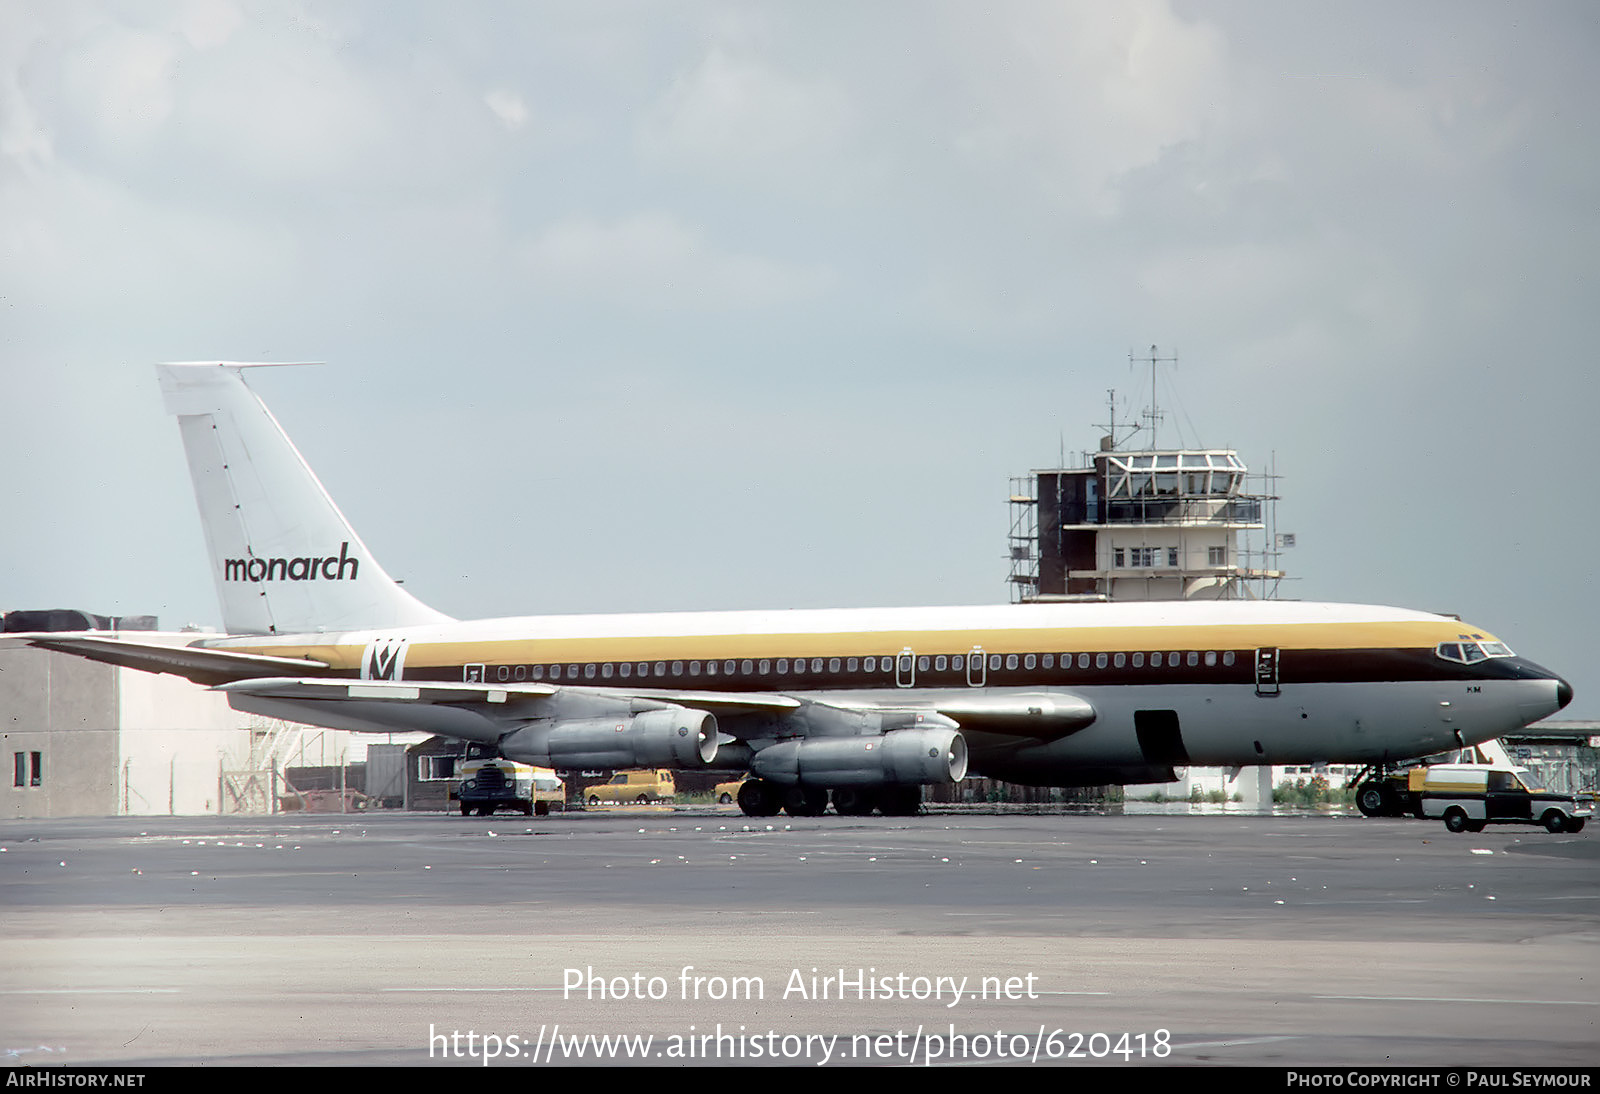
x=88 y=739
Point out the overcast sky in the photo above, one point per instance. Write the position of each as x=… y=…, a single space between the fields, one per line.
x=632 y=306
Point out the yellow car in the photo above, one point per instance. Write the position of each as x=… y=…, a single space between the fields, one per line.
x=728 y=793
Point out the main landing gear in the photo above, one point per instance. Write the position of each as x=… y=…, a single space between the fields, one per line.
x=763 y=798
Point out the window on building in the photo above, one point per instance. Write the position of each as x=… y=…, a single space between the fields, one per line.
x=21 y=759
x=1216 y=556
x=436 y=768
x=1172 y=556
x=1117 y=558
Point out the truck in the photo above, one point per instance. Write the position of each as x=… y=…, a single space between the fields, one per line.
x=489 y=781
x=1468 y=796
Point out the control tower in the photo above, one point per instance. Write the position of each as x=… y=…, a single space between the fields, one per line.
x=1145 y=524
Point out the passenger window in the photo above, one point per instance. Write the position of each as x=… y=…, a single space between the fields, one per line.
x=1120 y=660
x=677 y=668
x=1211 y=658
x=958 y=662
x=1099 y=660
x=694 y=668
x=1227 y=657
x=1194 y=658
x=1083 y=660
x=727 y=668
x=1155 y=660
x=1049 y=660
x=994 y=662
x=852 y=664
x=605 y=670
x=922 y=663
x=833 y=664
x=766 y=666
x=816 y=664
x=1029 y=661
x=1011 y=660
x=588 y=672
x=1138 y=660
x=941 y=662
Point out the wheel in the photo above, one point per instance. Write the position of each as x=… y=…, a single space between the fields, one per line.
x=900 y=801
x=1553 y=821
x=642 y=799
x=593 y=800
x=1455 y=819
x=759 y=798
x=854 y=802
x=1576 y=825
x=466 y=810
x=805 y=801
x=1370 y=799
x=527 y=809
x=1476 y=826
x=726 y=799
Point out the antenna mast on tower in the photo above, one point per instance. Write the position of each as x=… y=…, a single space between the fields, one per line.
x=1154 y=413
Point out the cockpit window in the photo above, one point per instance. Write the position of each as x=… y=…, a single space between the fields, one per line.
x=1467 y=653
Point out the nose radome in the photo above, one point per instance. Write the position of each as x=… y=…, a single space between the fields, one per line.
x=1563 y=692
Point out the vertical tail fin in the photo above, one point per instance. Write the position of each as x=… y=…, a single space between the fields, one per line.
x=284 y=558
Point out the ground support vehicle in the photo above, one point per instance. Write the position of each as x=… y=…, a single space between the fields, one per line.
x=639 y=787
x=490 y=783
x=1469 y=796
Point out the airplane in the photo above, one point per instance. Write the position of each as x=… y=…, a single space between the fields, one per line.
x=862 y=708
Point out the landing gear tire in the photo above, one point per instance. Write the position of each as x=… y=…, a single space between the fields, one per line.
x=853 y=802
x=805 y=801
x=1553 y=822
x=759 y=798
x=900 y=801
x=1455 y=820
x=1371 y=800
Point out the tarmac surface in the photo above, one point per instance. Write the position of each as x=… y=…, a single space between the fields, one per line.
x=401 y=939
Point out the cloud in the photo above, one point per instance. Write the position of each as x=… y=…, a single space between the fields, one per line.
x=652 y=261
x=734 y=120
x=508 y=107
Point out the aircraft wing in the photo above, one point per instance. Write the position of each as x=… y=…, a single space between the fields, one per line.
x=203 y=666
x=1045 y=716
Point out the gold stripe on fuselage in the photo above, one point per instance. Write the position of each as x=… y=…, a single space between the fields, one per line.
x=533 y=651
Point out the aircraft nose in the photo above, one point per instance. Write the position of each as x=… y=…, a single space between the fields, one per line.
x=1563 y=692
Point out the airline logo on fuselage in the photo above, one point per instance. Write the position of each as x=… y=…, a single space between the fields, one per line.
x=331 y=568
x=384 y=659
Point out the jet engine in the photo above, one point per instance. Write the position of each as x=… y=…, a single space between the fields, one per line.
x=674 y=738
x=901 y=757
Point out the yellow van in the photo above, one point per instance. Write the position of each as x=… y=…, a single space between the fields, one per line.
x=640 y=787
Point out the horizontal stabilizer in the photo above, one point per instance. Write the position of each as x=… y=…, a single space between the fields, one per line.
x=203 y=666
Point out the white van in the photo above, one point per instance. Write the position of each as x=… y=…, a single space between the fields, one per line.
x=1469 y=796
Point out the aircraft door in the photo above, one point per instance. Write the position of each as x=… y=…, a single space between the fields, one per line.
x=977 y=667
x=1266 y=672
x=905 y=668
